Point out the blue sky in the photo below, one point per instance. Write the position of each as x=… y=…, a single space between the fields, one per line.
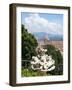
x=43 y=22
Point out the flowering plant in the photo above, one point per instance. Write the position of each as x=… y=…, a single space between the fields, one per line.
x=42 y=61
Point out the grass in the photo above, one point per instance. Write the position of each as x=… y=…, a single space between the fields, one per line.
x=31 y=73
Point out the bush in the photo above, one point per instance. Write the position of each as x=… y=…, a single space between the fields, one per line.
x=29 y=44
x=57 y=56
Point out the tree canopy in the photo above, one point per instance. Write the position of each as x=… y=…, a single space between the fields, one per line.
x=29 y=44
x=57 y=56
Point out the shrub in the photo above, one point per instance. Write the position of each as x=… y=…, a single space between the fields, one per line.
x=57 y=56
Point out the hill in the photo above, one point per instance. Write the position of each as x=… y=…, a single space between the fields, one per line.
x=42 y=35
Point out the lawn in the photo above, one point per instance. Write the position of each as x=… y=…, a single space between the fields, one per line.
x=31 y=73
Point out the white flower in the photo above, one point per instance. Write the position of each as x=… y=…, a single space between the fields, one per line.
x=52 y=68
x=35 y=59
x=33 y=67
x=45 y=50
x=43 y=62
x=50 y=63
x=32 y=62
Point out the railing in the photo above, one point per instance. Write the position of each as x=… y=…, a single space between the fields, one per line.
x=27 y=70
x=26 y=64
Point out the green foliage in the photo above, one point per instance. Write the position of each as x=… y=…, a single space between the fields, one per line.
x=31 y=73
x=57 y=56
x=28 y=48
x=29 y=44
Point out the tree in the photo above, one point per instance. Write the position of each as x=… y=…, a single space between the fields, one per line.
x=29 y=44
x=57 y=56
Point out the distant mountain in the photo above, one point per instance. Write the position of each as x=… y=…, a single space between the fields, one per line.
x=44 y=35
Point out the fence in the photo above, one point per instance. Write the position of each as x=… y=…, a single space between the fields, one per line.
x=26 y=64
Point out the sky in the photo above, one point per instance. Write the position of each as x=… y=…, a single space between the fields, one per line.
x=43 y=22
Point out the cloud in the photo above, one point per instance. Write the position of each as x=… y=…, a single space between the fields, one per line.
x=36 y=23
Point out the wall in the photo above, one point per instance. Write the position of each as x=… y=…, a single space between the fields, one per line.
x=4 y=45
